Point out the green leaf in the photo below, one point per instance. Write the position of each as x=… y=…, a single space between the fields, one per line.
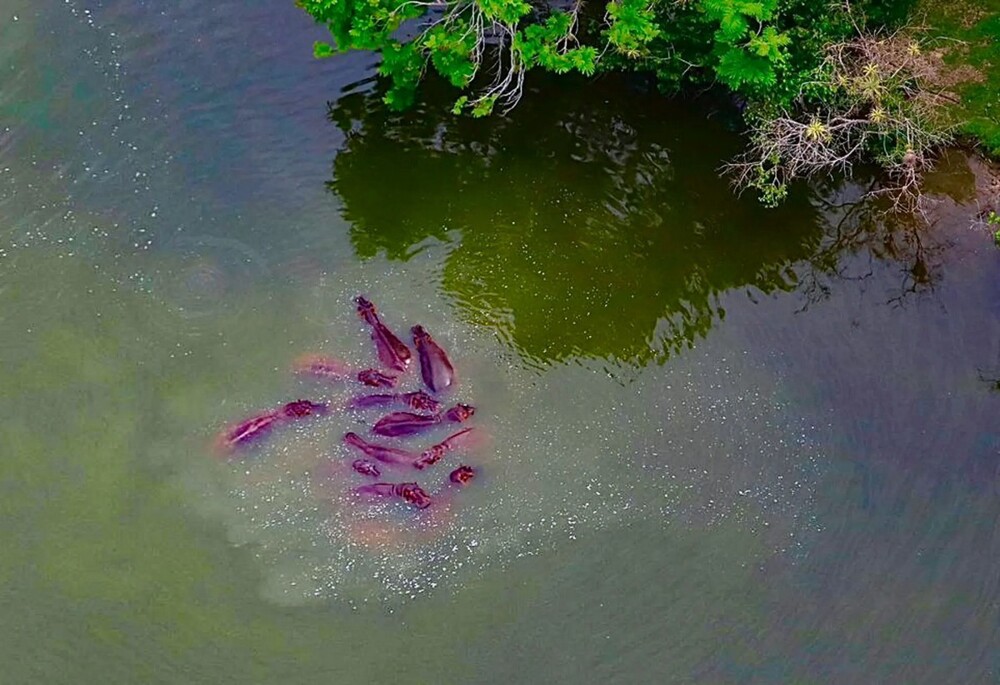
x=769 y=43
x=451 y=49
x=738 y=68
x=632 y=26
x=321 y=50
x=507 y=12
x=483 y=106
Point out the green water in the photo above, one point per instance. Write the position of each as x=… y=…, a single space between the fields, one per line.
x=726 y=444
x=617 y=226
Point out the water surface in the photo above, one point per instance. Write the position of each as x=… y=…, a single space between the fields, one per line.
x=728 y=444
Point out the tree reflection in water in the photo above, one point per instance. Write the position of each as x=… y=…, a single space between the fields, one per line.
x=592 y=222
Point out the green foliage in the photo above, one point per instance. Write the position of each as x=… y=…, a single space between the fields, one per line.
x=321 y=50
x=507 y=12
x=741 y=70
x=403 y=63
x=360 y=24
x=993 y=221
x=768 y=44
x=631 y=27
x=451 y=52
x=768 y=182
x=977 y=111
x=747 y=48
x=484 y=106
x=543 y=45
x=457 y=34
x=766 y=50
x=773 y=54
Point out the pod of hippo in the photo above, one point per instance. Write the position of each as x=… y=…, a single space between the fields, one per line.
x=426 y=412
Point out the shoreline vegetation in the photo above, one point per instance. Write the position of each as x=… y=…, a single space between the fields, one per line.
x=968 y=36
x=822 y=86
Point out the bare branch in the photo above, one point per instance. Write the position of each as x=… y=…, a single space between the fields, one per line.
x=879 y=108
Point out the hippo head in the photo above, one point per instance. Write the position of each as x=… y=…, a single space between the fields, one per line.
x=421 y=401
x=462 y=475
x=460 y=413
x=300 y=408
x=419 y=334
x=365 y=308
x=366 y=468
x=413 y=494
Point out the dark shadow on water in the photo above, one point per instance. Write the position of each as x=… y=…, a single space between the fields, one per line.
x=592 y=221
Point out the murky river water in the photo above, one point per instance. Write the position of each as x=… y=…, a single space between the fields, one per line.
x=726 y=444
